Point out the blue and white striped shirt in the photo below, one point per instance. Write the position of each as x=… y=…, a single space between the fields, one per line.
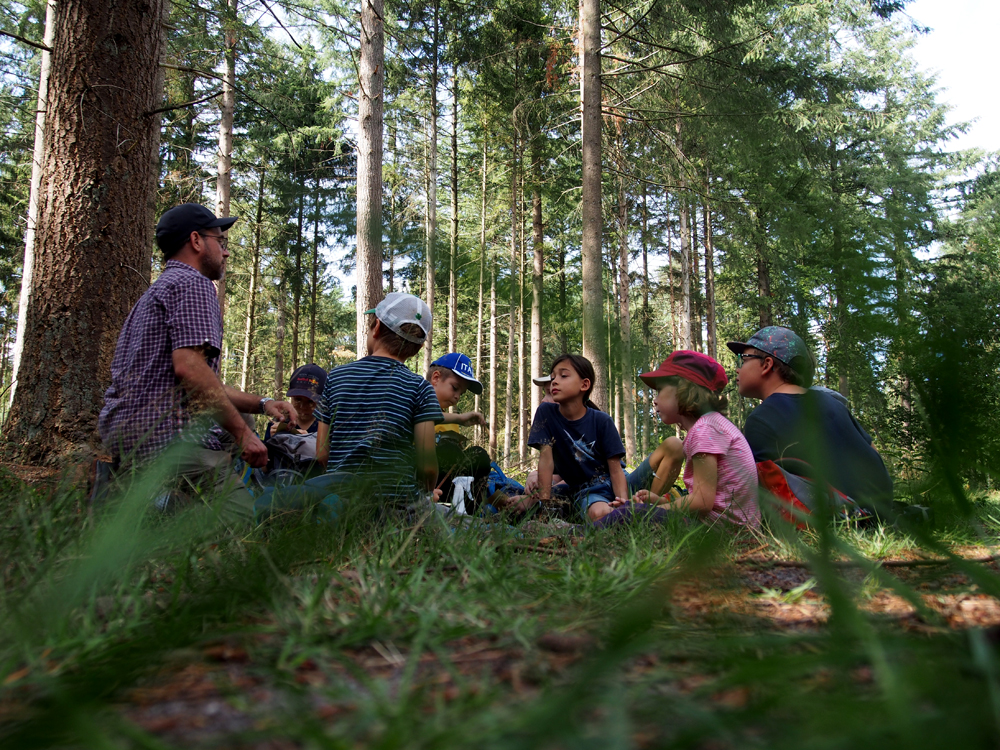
x=372 y=407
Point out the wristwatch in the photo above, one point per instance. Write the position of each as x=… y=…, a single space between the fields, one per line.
x=263 y=402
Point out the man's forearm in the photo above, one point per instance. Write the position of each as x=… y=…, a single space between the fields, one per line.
x=205 y=389
x=247 y=403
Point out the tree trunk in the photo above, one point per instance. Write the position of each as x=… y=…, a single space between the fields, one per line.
x=479 y=308
x=685 y=312
x=371 y=75
x=279 y=354
x=314 y=287
x=452 y=284
x=537 y=269
x=675 y=342
x=709 y=282
x=37 y=158
x=763 y=277
x=93 y=241
x=297 y=283
x=494 y=345
x=432 y=177
x=563 y=333
x=254 y=283
x=627 y=376
x=594 y=331
x=512 y=316
x=645 y=319
x=696 y=297
x=227 y=106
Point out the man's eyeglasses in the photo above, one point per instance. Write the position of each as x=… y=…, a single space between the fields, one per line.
x=742 y=358
x=223 y=241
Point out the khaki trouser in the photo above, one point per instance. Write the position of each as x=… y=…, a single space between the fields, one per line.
x=211 y=472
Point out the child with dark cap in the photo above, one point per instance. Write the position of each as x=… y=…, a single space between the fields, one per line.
x=801 y=426
x=305 y=389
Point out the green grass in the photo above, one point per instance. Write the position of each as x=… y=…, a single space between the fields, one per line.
x=404 y=633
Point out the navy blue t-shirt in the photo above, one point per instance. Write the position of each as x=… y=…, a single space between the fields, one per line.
x=779 y=428
x=580 y=448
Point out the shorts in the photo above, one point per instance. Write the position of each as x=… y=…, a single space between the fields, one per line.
x=601 y=491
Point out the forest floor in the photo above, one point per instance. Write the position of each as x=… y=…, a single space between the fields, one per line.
x=121 y=631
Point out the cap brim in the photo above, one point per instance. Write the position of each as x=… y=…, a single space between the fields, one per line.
x=542 y=382
x=224 y=223
x=304 y=393
x=737 y=347
x=475 y=387
x=649 y=378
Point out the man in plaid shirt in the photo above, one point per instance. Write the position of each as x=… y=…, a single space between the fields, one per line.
x=166 y=365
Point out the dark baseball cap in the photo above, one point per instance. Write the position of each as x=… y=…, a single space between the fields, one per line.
x=307 y=381
x=176 y=225
x=781 y=343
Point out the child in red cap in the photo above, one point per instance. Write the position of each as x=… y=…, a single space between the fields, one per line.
x=719 y=469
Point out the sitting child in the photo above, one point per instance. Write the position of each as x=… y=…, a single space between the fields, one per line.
x=806 y=430
x=719 y=469
x=451 y=376
x=578 y=441
x=305 y=389
x=376 y=431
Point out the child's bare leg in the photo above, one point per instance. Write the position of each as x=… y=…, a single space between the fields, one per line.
x=666 y=463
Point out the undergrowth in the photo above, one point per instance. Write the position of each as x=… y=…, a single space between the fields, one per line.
x=406 y=632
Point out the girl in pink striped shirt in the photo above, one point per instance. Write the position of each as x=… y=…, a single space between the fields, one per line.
x=719 y=469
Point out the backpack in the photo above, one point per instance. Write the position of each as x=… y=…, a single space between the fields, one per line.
x=795 y=493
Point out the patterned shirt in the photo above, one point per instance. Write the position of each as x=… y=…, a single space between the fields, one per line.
x=736 y=488
x=372 y=407
x=145 y=407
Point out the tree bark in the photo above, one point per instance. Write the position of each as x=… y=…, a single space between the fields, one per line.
x=627 y=376
x=709 y=282
x=95 y=212
x=482 y=277
x=512 y=316
x=254 y=282
x=594 y=331
x=696 y=296
x=563 y=333
x=297 y=283
x=494 y=345
x=37 y=158
x=314 y=287
x=538 y=267
x=763 y=277
x=453 y=253
x=371 y=75
x=645 y=318
x=432 y=176
x=227 y=106
x=279 y=353
x=685 y=312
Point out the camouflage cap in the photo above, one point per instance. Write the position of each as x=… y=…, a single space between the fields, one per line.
x=781 y=343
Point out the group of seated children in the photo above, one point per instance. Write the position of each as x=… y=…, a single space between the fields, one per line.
x=385 y=431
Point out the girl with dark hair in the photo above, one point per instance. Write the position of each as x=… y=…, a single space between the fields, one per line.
x=578 y=441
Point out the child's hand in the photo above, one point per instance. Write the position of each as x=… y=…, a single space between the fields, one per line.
x=619 y=502
x=648 y=497
x=437 y=496
x=472 y=417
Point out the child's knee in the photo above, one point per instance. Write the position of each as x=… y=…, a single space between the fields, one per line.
x=669 y=451
x=597 y=511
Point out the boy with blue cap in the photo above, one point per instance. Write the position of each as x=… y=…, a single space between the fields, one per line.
x=451 y=376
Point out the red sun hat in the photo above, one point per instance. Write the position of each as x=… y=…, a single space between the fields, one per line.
x=694 y=366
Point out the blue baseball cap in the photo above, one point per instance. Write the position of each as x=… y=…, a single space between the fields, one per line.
x=461 y=366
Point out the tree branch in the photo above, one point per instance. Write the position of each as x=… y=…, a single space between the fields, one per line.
x=185 y=105
x=36 y=45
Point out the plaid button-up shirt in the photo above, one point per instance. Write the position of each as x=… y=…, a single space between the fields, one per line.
x=145 y=407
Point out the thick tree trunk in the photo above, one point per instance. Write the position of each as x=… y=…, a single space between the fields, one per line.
x=432 y=177
x=37 y=158
x=494 y=345
x=627 y=376
x=95 y=214
x=371 y=75
x=594 y=331
x=227 y=106
x=537 y=270
x=482 y=277
x=709 y=282
x=452 y=282
x=252 y=296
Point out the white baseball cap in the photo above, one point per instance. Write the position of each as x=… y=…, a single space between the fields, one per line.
x=398 y=308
